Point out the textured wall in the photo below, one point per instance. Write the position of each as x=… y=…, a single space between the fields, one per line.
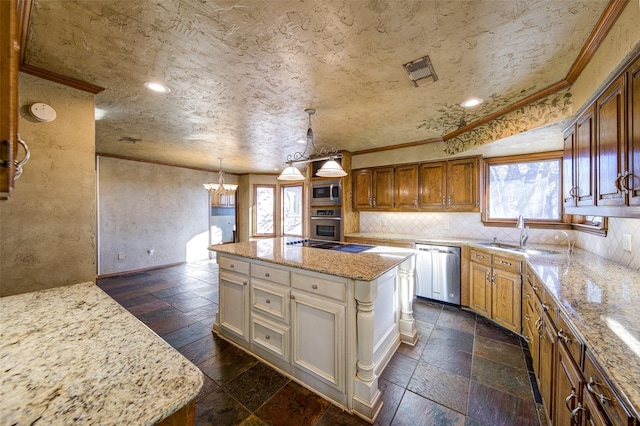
x=48 y=229
x=145 y=206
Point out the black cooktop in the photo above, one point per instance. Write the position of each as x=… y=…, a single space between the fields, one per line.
x=329 y=245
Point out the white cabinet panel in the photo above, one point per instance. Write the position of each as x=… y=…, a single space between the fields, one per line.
x=270 y=299
x=234 y=304
x=270 y=336
x=318 y=338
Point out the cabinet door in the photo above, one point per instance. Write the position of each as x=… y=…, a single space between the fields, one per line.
x=462 y=185
x=529 y=323
x=583 y=159
x=406 y=191
x=383 y=184
x=592 y=414
x=568 y=178
x=506 y=299
x=234 y=304
x=362 y=189
x=568 y=386
x=433 y=185
x=547 y=363
x=480 y=288
x=318 y=340
x=632 y=181
x=610 y=145
x=9 y=90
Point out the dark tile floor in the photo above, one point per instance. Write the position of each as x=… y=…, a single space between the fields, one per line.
x=463 y=371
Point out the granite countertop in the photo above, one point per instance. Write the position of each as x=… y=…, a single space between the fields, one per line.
x=73 y=355
x=599 y=297
x=366 y=266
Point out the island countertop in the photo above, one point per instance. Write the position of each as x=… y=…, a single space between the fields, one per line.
x=73 y=355
x=365 y=266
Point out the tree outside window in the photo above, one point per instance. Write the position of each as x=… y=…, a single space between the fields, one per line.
x=292 y=208
x=264 y=219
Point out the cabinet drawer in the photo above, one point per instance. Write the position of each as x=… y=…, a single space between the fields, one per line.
x=270 y=336
x=534 y=283
x=270 y=299
x=270 y=274
x=570 y=339
x=480 y=257
x=604 y=395
x=507 y=264
x=233 y=265
x=320 y=286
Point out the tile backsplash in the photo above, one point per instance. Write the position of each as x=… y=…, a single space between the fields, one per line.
x=469 y=225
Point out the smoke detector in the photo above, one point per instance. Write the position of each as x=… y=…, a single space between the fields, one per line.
x=42 y=112
x=420 y=69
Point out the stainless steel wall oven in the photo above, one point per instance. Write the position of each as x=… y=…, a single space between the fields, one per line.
x=326 y=224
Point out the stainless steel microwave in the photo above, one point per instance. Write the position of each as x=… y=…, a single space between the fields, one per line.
x=326 y=193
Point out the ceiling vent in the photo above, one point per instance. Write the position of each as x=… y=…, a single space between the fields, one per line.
x=420 y=69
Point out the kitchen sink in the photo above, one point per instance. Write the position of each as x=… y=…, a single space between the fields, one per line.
x=512 y=247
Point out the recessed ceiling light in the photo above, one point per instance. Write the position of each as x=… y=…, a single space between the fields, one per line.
x=471 y=102
x=302 y=141
x=157 y=87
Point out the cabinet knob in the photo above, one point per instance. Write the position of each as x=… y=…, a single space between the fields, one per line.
x=231 y=266
x=266 y=274
x=244 y=283
x=267 y=301
x=292 y=297
x=314 y=286
x=267 y=337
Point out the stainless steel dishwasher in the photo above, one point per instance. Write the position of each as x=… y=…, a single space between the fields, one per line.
x=438 y=273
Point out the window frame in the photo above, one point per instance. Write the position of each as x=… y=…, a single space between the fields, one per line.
x=283 y=187
x=254 y=225
x=561 y=223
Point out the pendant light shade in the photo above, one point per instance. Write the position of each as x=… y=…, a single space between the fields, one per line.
x=291 y=173
x=221 y=186
x=331 y=169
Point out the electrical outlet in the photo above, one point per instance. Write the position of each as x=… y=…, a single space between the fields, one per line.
x=151 y=252
x=446 y=225
x=626 y=242
x=120 y=256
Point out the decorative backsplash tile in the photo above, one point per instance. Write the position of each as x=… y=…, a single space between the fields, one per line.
x=469 y=225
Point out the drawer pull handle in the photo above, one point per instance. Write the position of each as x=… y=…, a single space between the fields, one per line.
x=569 y=398
x=527 y=317
x=603 y=399
x=267 y=301
x=266 y=274
x=479 y=257
x=314 y=286
x=545 y=307
x=527 y=295
x=267 y=337
x=535 y=288
x=505 y=263
x=562 y=335
x=539 y=326
x=575 y=412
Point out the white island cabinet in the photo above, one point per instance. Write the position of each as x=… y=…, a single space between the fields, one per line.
x=328 y=320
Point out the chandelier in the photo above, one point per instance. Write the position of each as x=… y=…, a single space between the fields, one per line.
x=220 y=187
x=330 y=168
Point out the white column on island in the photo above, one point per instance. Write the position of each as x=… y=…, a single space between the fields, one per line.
x=408 y=330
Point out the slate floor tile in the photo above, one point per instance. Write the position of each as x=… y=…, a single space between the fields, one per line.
x=415 y=410
x=256 y=385
x=443 y=387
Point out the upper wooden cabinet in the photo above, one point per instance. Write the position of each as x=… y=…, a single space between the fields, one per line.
x=451 y=185
x=602 y=152
x=9 y=48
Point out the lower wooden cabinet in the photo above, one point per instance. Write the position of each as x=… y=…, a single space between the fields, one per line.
x=568 y=390
x=496 y=288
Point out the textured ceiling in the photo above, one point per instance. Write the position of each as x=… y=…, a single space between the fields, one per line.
x=241 y=73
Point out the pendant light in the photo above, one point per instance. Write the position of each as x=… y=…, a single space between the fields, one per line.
x=330 y=169
x=221 y=186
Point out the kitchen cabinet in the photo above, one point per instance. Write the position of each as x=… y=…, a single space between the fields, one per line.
x=406 y=187
x=496 y=288
x=602 y=151
x=610 y=141
x=223 y=199
x=373 y=189
x=233 y=309
x=546 y=366
x=451 y=185
x=568 y=379
x=9 y=49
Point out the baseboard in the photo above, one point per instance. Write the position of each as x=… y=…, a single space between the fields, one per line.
x=137 y=271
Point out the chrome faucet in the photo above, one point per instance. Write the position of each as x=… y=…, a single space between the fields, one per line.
x=570 y=244
x=524 y=233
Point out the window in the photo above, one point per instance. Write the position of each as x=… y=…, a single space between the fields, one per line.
x=264 y=217
x=523 y=185
x=292 y=207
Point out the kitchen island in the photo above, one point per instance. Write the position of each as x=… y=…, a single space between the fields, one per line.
x=72 y=354
x=328 y=319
